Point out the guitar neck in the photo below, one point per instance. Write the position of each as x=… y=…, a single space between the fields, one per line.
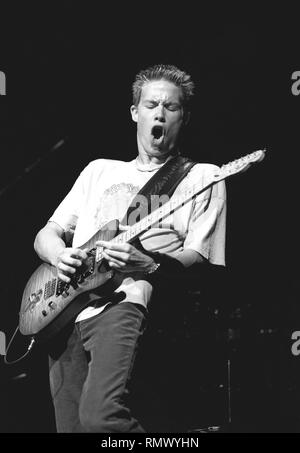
x=230 y=169
x=160 y=213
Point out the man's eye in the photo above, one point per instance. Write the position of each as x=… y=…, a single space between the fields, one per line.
x=150 y=105
x=173 y=107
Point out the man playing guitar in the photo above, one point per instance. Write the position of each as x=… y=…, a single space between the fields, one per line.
x=89 y=374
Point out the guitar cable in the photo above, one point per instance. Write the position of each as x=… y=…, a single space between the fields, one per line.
x=32 y=341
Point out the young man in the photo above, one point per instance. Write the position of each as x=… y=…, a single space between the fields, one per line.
x=89 y=375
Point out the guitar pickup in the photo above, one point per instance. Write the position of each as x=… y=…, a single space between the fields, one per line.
x=61 y=286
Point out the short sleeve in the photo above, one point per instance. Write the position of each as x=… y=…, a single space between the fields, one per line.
x=67 y=213
x=207 y=224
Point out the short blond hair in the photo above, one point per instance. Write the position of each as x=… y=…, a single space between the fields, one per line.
x=163 y=72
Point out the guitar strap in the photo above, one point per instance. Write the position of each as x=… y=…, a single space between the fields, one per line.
x=163 y=182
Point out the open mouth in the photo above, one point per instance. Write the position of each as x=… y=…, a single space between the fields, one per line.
x=157 y=133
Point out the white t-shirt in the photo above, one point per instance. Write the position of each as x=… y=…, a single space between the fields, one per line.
x=104 y=190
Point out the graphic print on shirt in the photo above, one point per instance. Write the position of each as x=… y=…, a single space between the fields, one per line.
x=113 y=202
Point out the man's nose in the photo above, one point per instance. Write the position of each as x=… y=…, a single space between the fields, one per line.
x=160 y=114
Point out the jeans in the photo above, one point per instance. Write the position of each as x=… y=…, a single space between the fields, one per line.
x=90 y=371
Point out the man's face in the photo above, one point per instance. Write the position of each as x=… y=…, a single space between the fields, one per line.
x=159 y=117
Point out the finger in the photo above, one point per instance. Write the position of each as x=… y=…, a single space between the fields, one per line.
x=66 y=269
x=114 y=265
x=122 y=269
x=72 y=262
x=104 y=244
x=63 y=277
x=121 y=256
x=123 y=227
x=113 y=260
x=79 y=253
x=122 y=247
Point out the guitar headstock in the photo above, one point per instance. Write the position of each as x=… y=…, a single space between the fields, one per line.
x=239 y=165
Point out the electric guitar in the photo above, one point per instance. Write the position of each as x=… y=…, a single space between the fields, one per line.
x=49 y=303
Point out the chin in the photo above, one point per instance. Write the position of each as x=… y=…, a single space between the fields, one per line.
x=160 y=151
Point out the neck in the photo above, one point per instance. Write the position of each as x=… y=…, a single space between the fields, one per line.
x=144 y=158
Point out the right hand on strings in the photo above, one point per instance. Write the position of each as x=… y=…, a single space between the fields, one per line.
x=67 y=262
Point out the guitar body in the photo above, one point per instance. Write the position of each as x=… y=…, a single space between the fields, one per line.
x=45 y=308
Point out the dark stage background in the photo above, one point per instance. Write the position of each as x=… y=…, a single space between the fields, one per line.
x=69 y=72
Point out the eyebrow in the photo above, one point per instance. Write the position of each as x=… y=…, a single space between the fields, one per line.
x=154 y=101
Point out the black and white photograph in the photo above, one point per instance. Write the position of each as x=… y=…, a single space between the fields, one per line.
x=148 y=221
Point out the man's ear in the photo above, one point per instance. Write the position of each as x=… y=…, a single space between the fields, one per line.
x=134 y=113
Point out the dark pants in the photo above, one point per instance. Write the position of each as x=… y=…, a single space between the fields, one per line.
x=89 y=375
